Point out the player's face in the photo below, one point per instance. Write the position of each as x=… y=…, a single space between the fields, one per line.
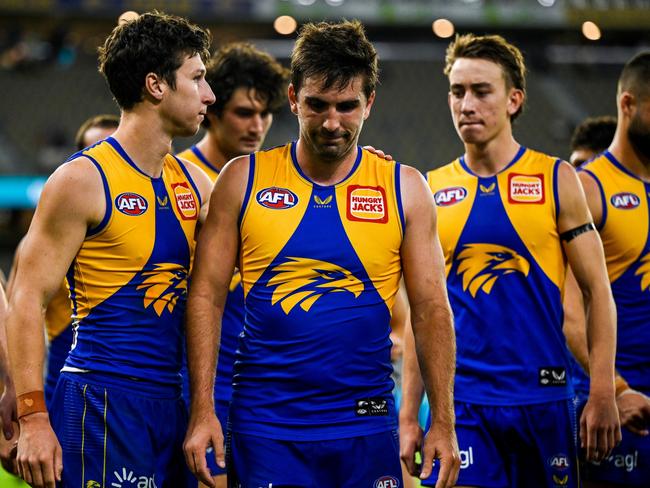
x=186 y=105
x=96 y=134
x=480 y=102
x=639 y=129
x=581 y=155
x=330 y=119
x=243 y=124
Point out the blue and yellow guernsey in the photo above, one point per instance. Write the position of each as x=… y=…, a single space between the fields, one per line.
x=194 y=155
x=624 y=229
x=128 y=282
x=320 y=267
x=505 y=275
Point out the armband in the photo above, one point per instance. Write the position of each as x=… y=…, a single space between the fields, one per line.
x=30 y=402
x=569 y=235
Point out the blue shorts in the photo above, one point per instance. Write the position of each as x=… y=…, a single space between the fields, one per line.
x=512 y=446
x=119 y=432
x=628 y=464
x=56 y=355
x=371 y=461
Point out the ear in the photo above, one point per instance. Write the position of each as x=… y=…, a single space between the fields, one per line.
x=293 y=98
x=369 y=102
x=154 y=86
x=515 y=100
x=627 y=104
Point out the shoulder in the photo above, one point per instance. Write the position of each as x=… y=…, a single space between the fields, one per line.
x=76 y=188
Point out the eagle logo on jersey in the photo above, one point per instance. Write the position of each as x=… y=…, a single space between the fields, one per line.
x=644 y=271
x=483 y=264
x=302 y=281
x=163 y=287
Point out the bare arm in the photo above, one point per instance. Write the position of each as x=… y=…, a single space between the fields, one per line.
x=431 y=321
x=600 y=428
x=213 y=268
x=57 y=231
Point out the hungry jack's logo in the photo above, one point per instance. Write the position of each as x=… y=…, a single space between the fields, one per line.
x=302 y=281
x=483 y=264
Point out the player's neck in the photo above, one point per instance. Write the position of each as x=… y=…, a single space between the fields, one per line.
x=324 y=173
x=146 y=143
x=493 y=156
x=625 y=154
x=211 y=151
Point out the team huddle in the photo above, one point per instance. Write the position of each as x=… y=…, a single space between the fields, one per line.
x=280 y=270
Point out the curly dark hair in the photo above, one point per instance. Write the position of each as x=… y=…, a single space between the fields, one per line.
x=153 y=43
x=594 y=133
x=336 y=53
x=240 y=64
x=493 y=48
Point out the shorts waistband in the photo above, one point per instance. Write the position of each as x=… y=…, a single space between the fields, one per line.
x=127 y=384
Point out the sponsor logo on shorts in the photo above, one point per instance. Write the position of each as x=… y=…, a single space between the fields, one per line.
x=126 y=478
x=560 y=480
x=625 y=200
x=372 y=407
x=131 y=204
x=185 y=201
x=552 y=376
x=450 y=196
x=629 y=462
x=466 y=458
x=559 y=462
x=526 y=188
x=367 y=204
x=386 y=482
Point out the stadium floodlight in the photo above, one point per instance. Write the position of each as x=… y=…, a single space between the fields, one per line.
x=591 y=31
x=285 y=25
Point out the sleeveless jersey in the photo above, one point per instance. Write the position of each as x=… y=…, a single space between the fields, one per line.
x=194 y=155
x=232 y=321
x=128 y=282
x=624 y=230
x=320 y=267
x=505 y=276
x=58 y=312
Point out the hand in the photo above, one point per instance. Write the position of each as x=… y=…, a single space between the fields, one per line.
x=39 y=456
x=8 y=410
x=8 y=448
x=379 y=153
x=204 y=432
x=600 y=429
x=410 y=442
x=634 y=411
x=440 y=443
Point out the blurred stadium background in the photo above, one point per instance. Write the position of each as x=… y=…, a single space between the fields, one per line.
x=49 y=81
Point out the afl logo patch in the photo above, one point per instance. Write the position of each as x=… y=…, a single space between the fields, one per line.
x=450 y=196
x=625 y=201
x=386 y=482
x=277 y=198
x=185 y=201
x=367 y=204
x=131 y=204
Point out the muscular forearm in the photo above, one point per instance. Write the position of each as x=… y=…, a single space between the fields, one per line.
x=435 y=346
x=26 y=344
x=412 y=386
x=203 y=331
x=601 y=339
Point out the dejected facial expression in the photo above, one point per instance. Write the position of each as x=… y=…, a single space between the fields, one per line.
x=185 y=106
x=481 y=104
x=638 y=130
x=243 y=124
x=330 y=119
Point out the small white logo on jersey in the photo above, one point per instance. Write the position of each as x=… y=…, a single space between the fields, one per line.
x=127 y=479
x=450 y=196
x=625 y=201
x=386 y=482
